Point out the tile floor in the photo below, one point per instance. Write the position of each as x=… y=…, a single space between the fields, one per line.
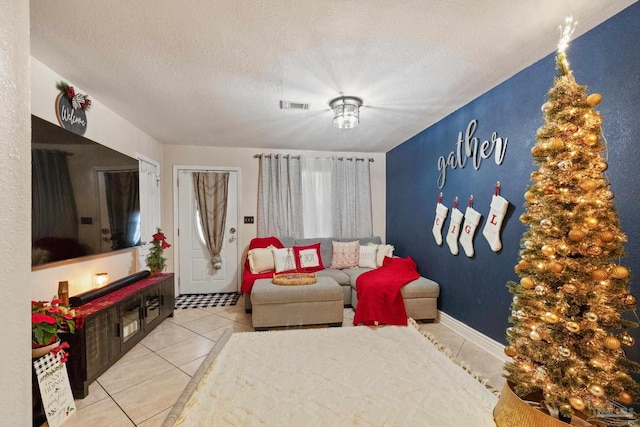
x=140 y=389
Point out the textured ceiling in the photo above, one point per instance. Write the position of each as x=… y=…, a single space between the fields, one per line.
x=212 y=72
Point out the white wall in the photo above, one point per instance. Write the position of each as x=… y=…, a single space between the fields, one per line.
x=243 y=158
x=15 y=213
x=107 y=128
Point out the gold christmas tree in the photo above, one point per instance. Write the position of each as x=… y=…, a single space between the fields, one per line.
x=569 y=334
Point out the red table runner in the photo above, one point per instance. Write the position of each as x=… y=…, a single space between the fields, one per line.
x=85 y=310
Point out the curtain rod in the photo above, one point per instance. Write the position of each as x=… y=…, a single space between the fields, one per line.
x=260 y=155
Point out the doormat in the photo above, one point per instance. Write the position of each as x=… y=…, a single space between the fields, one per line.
x=220 y=299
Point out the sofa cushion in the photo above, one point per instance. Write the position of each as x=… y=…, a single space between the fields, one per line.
x=421 y=288
x=283 y=259
x=345 y=254
x=383 y=251
x=353 y=274
x=261 y=260
x=308 y=258
x=367 y=257
x=338 y=275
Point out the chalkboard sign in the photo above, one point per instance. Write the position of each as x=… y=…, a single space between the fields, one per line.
x=55 y=390
x=73 y=119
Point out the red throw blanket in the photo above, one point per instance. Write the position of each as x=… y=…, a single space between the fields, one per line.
x=248 y=278
x=379 y=292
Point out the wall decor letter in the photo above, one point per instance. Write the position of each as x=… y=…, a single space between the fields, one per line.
x=473 y=149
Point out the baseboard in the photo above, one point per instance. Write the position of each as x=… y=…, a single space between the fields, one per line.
x=487 y=344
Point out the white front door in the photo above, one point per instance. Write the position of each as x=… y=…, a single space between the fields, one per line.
x=197 y=276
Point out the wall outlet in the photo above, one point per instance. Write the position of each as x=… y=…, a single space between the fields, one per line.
x=248 y=220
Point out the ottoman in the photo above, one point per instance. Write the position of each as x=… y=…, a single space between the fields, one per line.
x=276 y=305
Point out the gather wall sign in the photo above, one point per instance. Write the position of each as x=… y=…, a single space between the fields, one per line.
x=470 y=147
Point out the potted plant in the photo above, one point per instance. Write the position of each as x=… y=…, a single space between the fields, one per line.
x=48 y=319
x=155 y=260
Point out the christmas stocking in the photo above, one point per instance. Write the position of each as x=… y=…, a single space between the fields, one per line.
x=454 y=230
x=441 y=215
x=471 y=220
x=494 y=222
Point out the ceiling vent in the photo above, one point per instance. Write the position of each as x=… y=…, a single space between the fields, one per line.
x=288 y=105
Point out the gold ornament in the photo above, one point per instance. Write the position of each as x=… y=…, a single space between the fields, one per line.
x=570 y=129
x=630 y=299
x=573 y=327
x=591 y=222
x=576 y=235
x=609 y=195
x=599 y=275
x=563 y=249
x=527 y=282
x=619 y=272
x=548 y=250
x=570 y=289
x=537 y=151
x=625 y=398
x=556 y=144
x=529 y=196
x=550 y=317
x=606 y=236
x=589 y=184
x=541 y=290
x=556 y=267
x=596 y=389
x=627 y=340
x=602 y=166
x=547 y=106
x=546 y=224
x=510 y=351
x=611 y=342
x=577 y=403
x=591 y=316
x=590 y=140
x=565 y=164
x=594 y=99
x=535 y=336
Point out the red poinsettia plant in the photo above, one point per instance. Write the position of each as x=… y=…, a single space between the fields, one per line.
x=48 y=319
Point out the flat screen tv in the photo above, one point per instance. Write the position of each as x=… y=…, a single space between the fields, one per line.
x=85 y=196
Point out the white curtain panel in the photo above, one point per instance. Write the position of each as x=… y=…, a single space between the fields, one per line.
x=352 y=198
x=317 y=196
x=279 y=196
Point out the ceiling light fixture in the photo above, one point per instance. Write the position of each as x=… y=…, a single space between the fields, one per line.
x=346 y=111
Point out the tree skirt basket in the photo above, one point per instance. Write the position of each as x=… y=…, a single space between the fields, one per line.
x=294 y=279
x=512 y=411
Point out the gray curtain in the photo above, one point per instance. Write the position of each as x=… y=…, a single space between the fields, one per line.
x=352 y=198
x=52 y=198
x=211 y=191
x=123 y=205
x=279 y=196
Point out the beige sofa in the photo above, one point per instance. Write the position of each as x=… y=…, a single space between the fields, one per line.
x=420 y=296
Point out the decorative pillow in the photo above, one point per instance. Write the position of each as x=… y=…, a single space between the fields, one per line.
x=261 y=260
x=383 y=251
x=345 y=254
x=308 y=258
x=283 y=259
x=367 y=257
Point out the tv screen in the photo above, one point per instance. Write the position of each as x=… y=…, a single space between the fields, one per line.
x=85 y=196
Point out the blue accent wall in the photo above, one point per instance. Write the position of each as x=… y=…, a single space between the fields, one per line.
x=473 y=290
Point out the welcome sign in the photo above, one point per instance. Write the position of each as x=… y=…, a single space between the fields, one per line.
x=70 y=118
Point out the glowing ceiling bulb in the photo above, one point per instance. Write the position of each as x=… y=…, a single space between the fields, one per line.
x=566 y=31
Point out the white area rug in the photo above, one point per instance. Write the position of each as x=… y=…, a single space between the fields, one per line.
x=361 y=376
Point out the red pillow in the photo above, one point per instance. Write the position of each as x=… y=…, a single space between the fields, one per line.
x=308 y=258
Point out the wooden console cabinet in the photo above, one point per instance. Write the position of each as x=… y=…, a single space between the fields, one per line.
x=113 y=324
